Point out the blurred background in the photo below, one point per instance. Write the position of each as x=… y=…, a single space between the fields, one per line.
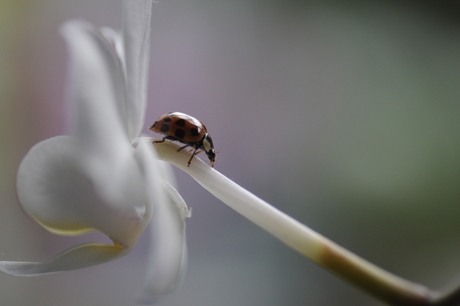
x=343 y=114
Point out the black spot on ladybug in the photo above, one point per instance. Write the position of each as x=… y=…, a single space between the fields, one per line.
x=164 y=128
x=180 y=133
x=167 y=119
x=180 y=122
x=194 y=132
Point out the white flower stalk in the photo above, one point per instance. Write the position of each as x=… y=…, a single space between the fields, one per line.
x=384 y=285
x=95 y=179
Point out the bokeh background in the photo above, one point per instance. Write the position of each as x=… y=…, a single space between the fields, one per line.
x=343 y=114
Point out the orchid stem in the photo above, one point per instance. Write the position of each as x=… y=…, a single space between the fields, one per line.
x=370 y=278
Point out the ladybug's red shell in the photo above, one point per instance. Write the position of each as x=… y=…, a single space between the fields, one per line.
x=180 y=126
x=186 y=129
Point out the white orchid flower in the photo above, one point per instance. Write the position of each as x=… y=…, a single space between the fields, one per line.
x=106 y=178
x=96 y=179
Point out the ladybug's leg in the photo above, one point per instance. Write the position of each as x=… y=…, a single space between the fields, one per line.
x=193 y=155
x=163 y=139
x=182 y=148
x=160 y=141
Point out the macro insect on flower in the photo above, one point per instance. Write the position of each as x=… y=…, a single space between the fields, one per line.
x=105 y=177
x=185 y=129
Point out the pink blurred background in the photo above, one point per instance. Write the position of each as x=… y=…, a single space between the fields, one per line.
x=345 y=115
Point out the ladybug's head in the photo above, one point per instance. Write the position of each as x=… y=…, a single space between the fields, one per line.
x=208 y=148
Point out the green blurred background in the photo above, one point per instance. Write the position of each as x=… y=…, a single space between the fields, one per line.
x=343 y=114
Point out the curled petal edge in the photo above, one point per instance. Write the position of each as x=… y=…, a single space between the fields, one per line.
x=78 y=257
x=168 y=255
x=169 y=251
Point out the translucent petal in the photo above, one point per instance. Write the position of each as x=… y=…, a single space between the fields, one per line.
x=136 y=39
x=169 y=251
x=168 y=255
x=95 y=88
x=115 y=41
x=95 y=91
x=75 y=258
x=53 y=189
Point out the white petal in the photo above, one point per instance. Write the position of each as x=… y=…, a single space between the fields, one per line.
x=168 y=255
x=136 y=39
x=169 y=250
x=95 y=89
x=75 y=258
x=115 y=40
x=53 y=189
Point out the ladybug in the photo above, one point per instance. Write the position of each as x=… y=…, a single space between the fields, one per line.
x=185 y=129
